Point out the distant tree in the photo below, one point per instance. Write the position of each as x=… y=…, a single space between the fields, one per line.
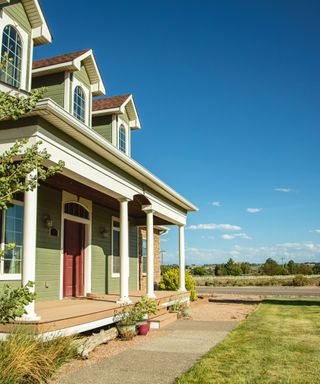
x=305 y=269
x=292 y=267
x=245 y=268
x=316 y=269
x=220 y=270
x=199 y=271
x=233 y=268
x=270 y=267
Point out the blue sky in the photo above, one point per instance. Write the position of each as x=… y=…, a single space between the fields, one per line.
x=228 y=94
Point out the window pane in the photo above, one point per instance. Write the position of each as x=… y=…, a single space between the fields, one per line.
x=144 y=256
x=122 y=139
x=11 y=44
x=116 y=251
x=79 y=104
x=13 y=234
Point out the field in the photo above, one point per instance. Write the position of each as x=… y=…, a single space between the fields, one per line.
x=279 y=343
x=247 y=281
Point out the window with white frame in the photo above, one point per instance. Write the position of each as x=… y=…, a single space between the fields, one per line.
x=144 y=255
x=12 y=47
x=122 y=139
x=115 y=246
x=11 y=221
x=79 y=104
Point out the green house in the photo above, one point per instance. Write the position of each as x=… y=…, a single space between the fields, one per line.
x=93 y=230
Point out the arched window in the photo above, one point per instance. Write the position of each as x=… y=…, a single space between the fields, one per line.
x=75 y=209
x=122 y=139
x=79 y=104
x=12 y=47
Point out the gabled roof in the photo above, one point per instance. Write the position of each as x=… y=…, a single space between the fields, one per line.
x=117 y=104
x=109 y=102
x=40 y=29
x=72 y=62
x=60 y=59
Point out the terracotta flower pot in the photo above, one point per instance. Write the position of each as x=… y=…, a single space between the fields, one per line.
x=144 y=329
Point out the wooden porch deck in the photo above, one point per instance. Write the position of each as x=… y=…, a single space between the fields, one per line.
x=77 y=315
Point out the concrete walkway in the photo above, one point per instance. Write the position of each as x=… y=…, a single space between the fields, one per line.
x=159 y=361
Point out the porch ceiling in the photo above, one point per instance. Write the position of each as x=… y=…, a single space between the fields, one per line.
x=62 y=182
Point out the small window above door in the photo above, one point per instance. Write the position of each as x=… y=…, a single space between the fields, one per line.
x=77 y=210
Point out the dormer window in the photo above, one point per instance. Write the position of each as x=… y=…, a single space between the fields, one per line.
x=12 y=47
x=79 y=104
x=122 y=139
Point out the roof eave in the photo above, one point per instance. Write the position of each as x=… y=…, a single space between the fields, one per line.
x=124 y=161
x=40 y=30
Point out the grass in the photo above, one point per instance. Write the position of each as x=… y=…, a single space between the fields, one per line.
x=246 y=281
x=279 y=343
x=26 y=359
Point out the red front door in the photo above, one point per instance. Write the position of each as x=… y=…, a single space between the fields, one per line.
x=73 y=265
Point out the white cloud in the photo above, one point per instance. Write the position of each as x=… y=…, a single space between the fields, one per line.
x=227 y=236
x=216 y=203
x=221 y=227
x=285 y=190
x=315 y=231
x=208 y=237
x=254 y=210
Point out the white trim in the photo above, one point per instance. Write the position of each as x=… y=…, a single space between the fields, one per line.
x=8 y=276
x=122 y=123
x=70 y=330
x=114 y=130
x=7 y=20
x=40 y=29
x=67 y=91
x=87 y=204
x=109 y=152
x=76 y=83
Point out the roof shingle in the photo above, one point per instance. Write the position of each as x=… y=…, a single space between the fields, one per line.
x=58 y=59
x=109 y=102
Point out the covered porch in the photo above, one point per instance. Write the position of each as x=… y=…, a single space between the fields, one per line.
x=76 y=315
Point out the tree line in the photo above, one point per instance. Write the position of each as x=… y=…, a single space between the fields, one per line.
x=270 y=268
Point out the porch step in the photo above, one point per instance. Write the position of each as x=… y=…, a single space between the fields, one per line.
x=162 y=320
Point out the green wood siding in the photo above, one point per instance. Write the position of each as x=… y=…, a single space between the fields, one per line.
x=17 y=12
x=12 y=283
x=103 y=126
x=54 y=84
x=124 y=116
x=48 y=247
x=101 y=248
x=82 y=76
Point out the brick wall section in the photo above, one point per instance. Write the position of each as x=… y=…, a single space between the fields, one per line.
x=157 y=273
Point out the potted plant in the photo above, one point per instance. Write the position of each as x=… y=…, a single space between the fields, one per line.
x=143 y=309
x=126 y=320
x=180 y=308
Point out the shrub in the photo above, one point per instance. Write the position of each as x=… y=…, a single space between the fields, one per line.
x=299 y=281
x=13 y=302
x=26 y=359
x=170 y=282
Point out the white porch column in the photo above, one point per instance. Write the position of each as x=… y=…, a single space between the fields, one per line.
x=182 y=263
x=124 y=252
x=29 y=245
x=150 y=253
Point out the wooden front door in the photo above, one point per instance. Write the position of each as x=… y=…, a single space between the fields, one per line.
x=73 y=265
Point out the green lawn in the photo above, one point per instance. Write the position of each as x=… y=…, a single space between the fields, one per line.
x=278 y=343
